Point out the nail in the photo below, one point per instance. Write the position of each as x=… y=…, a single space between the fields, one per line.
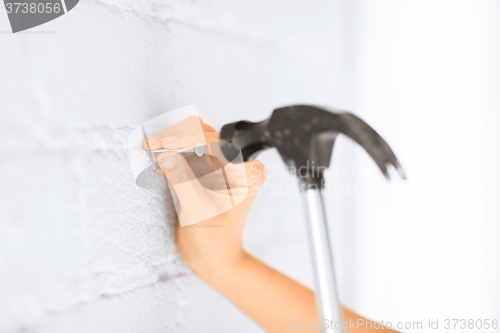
x=170 y=162
x=152 y=140
x=169 y=142
x=168 y=139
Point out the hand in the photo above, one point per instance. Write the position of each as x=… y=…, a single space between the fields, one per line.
x=211 y=216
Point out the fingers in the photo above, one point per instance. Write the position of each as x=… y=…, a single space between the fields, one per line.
x=176 y=169
x=152 y=143
x=194 y=203
x=256 y=175
x=187 y=140
x=244 y=179
x=170 y=141
x=216 y=190
x=185 y=134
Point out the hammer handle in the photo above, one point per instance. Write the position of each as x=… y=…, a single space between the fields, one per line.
x=327 y=299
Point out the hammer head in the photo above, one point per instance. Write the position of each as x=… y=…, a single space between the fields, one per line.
x=304 y=136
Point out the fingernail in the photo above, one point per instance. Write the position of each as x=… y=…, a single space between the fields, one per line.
x=170 y=162
x=152 y=140
x=168 y=139
x=170 y=142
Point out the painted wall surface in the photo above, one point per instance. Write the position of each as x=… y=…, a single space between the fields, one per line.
x=428 y=76
x=82 y=249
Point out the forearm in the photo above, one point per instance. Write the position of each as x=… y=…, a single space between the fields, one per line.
x=267 y=296
x=270 y=298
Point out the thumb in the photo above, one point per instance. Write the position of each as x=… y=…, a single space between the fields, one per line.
x=177 y=170
x=192 y=201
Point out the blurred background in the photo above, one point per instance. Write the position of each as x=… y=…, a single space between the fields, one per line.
x=83 y=249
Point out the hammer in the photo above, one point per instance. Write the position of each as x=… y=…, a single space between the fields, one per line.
x=304 y=136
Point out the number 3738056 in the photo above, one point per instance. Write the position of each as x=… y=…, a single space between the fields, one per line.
x=471 y=324
x=25 y=7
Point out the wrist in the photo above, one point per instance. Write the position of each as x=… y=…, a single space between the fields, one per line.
x=223 y=272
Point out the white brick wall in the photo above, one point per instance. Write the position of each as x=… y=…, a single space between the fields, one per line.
x=82 y=249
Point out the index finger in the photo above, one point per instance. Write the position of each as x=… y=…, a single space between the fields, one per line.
x=184 y=134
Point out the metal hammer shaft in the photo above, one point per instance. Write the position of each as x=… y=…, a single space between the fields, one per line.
x=327 y=301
